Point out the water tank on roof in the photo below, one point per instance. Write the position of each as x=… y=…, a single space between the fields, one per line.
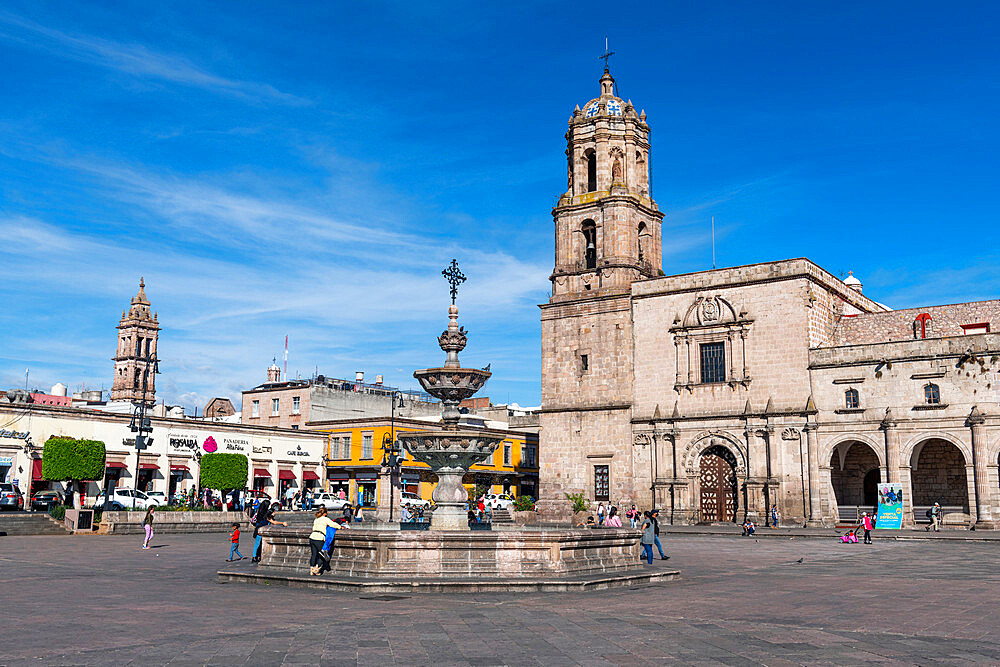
x=58 y=389
x=378 y=379
x=359 y=376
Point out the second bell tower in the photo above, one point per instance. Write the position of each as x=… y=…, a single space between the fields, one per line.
x=607 y=225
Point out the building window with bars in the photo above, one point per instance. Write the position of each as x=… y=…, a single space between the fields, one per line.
x=932 y=395
x=296 y=405
x=506 y=453
x=713 y=362
x=366 y=446
x=345 y=447
x=602 y=482
x=851 y=399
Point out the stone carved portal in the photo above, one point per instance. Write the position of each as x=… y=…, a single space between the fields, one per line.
x=718 y=485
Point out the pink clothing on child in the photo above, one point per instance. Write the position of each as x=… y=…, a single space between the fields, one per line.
x=613 y=522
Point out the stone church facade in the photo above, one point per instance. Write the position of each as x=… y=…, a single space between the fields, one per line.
x=716 y=394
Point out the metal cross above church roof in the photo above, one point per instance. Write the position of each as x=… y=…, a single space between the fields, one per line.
x=454 y=278
x=606 y=55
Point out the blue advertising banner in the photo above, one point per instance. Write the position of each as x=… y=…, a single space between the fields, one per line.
x=890 y=506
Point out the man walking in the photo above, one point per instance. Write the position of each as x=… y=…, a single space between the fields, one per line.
x=654 y=517
x=935 y=514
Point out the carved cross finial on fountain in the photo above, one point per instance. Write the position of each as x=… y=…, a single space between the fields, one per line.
x=454 y=277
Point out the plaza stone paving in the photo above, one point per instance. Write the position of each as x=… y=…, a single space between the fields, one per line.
x=102 y=600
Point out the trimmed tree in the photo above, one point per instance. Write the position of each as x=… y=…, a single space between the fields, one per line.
x=72 y=460
x=224 y=472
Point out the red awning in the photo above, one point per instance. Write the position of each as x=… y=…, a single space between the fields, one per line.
x=178 y=468
x=36 y=469
x=148 y=466
x=114 y=464
x=286 y=474
x=308 y=474
x=261 y=472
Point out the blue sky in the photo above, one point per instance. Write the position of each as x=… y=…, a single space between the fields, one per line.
x=309 y=168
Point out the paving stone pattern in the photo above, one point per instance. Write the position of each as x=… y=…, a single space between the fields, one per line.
x=101 y=600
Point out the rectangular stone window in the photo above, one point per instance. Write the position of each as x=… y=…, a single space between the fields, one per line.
x=602 y=482
x=295 y=405
x=366 y=446
x=345 y=447
x=713 y=362
x=584 y=362
x=932 y=395
x=851 y=399
x=506 y=453
x=255 y=409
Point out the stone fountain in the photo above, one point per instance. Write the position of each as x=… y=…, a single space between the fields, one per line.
x=450 y=556
x=449 y=450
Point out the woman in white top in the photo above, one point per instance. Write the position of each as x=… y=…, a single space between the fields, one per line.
x=316 y=539
x=358 y=515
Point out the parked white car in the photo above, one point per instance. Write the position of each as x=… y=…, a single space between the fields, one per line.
x=329 y=500
x=413 y=500
x=159 y=496
x=499 y=501
x=123 y=499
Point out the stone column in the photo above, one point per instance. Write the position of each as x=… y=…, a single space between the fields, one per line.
x=985 y=500
x=812 y=446
x=389 y=494
x=888 y=427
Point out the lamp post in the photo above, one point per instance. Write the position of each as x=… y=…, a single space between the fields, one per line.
x=391 y=452
x=141 y=424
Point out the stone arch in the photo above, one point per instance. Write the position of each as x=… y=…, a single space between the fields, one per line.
x=701 y=442
x=709 y=310
x=854 y=465
x=907 y=451
x=826 y=449
x=939 y=472
x=589 y=231
x=590 y=169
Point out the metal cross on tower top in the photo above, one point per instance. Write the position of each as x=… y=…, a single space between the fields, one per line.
x=454 y=278
x=606 y=55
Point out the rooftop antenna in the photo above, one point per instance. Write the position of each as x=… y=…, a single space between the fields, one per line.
x=713 y=241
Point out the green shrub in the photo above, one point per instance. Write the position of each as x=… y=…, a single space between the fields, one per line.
x=69 y=459
x=224 y=471
x=580 y=503
x=57 y=512
x=524 y=504
x=476 y=491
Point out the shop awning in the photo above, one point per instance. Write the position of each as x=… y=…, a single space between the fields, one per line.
x=114 y=464
x=411 y=478
x=36 y=469
x=178 y=468
x=365 y=476
x=261 y=472
x=148 y=466
x=309 y=474
x=286 y=474
x=340 y=476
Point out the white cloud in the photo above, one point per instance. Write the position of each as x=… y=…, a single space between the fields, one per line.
x=133 y=59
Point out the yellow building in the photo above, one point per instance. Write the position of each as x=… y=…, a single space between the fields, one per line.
x=355 y=449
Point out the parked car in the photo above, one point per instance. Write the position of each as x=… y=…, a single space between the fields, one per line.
x=499 y=501
x=413 y=500
x=251 y=495
x=10 y=497
x=159 y=496
x=45 y=500
x=122 y=499
x=329 y=500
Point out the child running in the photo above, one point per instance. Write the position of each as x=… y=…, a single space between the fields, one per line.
x=234 y=538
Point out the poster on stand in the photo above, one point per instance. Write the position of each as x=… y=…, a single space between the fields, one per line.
x=890 y=506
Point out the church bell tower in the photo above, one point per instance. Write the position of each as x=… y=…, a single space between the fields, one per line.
x=138 y=331
x=607 y=225
x=607 y=236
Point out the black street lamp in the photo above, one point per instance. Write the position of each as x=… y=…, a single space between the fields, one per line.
x=391 y=452
x=141 y=424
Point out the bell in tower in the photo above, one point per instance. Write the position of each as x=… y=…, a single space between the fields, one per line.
x=607 y=224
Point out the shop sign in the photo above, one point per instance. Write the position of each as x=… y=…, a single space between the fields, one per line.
x=182 y=442
x=260 y=449
x=210 y=445
x=235 y=444
x=22 y=435
x=6 y=460
x=297 y=451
